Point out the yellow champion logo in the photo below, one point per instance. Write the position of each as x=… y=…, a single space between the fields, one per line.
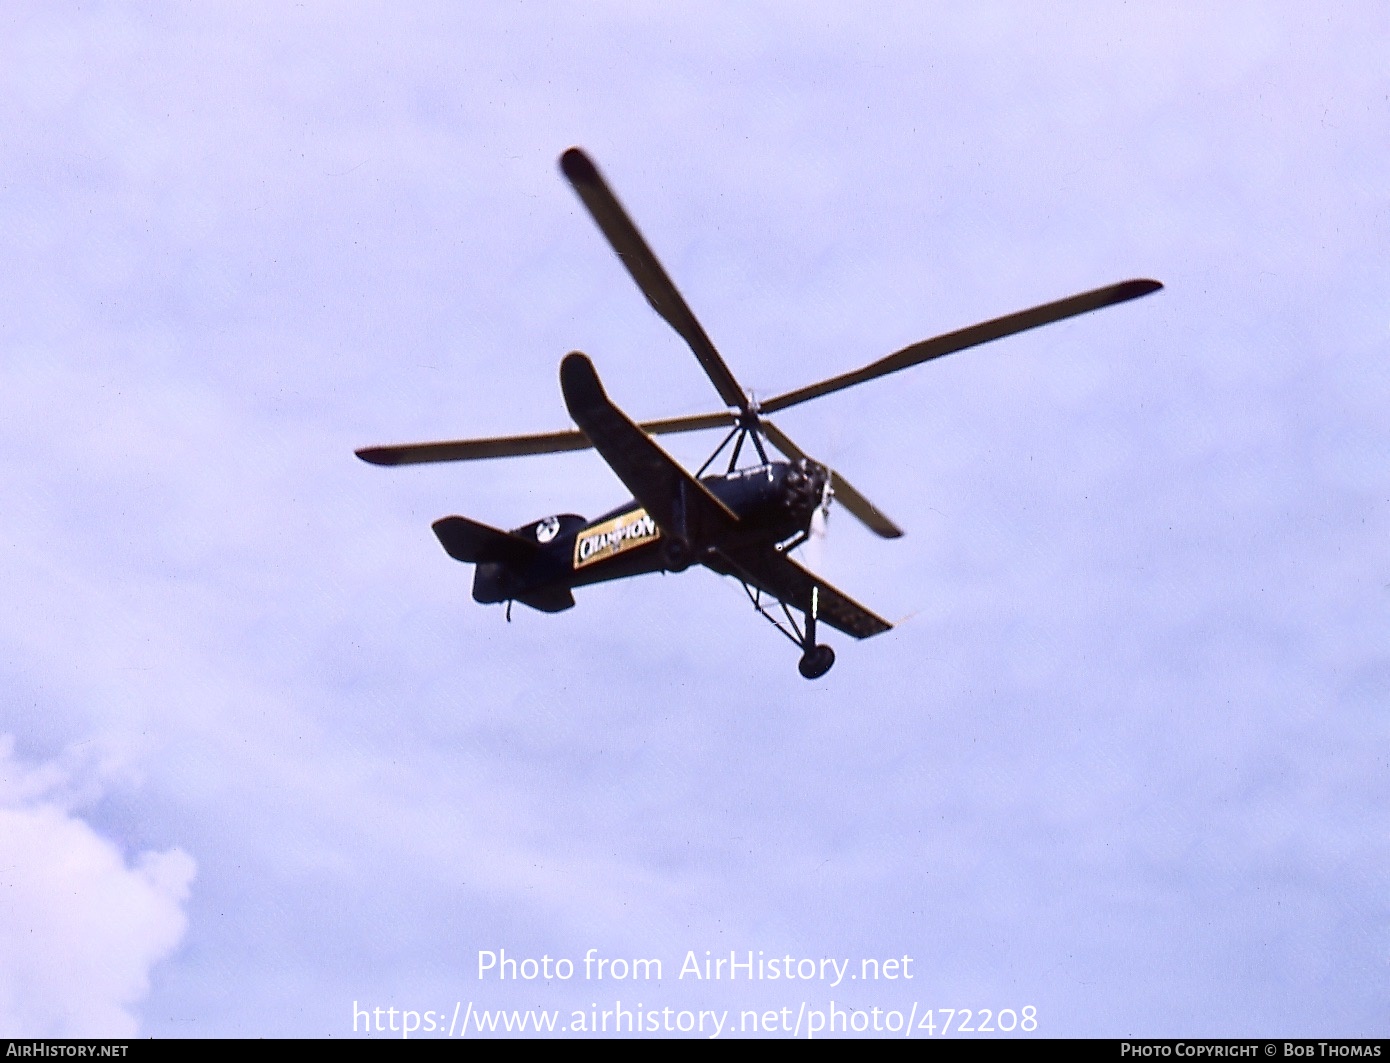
x=613 y=536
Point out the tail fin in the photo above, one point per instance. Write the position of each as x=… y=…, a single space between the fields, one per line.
x=468 y=541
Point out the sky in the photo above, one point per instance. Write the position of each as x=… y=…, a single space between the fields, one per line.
x=1119 y=770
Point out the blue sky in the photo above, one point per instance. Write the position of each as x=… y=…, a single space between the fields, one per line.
x=1124 y=758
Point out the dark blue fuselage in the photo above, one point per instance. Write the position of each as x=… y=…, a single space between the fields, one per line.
x=773 y=502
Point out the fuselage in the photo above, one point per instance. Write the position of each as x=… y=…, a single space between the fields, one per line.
x=773 y=502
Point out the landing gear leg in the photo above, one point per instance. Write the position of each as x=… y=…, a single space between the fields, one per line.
x=815 y=660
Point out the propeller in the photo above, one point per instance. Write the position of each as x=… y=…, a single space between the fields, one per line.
x=844 y=492
x=814 y=546
x=654 y=283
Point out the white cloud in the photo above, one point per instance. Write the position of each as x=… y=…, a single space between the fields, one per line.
x=80 y=928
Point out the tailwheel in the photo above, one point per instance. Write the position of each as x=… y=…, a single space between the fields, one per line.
x=816 y=661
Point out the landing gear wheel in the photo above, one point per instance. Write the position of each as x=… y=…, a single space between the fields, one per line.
x=816 y=661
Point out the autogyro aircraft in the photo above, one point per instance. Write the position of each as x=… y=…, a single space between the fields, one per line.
x=743 y=522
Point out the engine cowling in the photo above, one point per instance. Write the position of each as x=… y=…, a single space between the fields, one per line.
x=803 y=488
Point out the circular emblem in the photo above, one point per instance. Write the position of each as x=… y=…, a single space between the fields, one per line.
x=547 y=529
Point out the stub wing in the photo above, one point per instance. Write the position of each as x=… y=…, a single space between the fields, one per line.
x=683 y=508
x=777 y=574
x=473 y=543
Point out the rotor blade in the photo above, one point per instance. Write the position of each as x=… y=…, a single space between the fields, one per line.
x=969 y=337
x=516 y=446
x=868 y=514
x=642 y=264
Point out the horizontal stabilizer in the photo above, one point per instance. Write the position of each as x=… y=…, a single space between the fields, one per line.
x=468 y=541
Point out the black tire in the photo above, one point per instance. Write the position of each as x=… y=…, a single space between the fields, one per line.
x=816 y=661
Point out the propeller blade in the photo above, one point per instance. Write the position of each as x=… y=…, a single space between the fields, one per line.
x=869 y=514
x=969 y=337
x=642 y=264
x=516 y=446
x=813 y=549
